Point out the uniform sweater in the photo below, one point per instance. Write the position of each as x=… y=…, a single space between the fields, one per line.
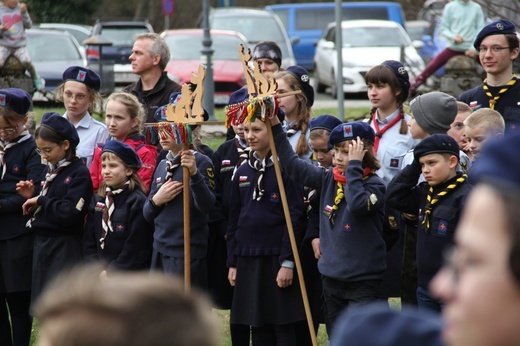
x=14 y=36
x=258 y=228
x=129 y=246
x=352 y=248
x=22 y=163
x=404 y=195
x=168 y=218
x=508 y=104
x=154 y=98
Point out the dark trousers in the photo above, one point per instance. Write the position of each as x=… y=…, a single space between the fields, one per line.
x=409 y=271
x=17 y=331
x=274 y=335
x=340 y=295
x=440 y=60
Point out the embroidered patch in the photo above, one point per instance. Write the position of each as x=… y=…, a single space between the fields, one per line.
x=347 y=228
x=226 y=162
x=209 y=172
x=243 y=178
x=443 y=227
x=158 y=180
x=347 y=131
x=373 y=198
x=16 y=169
x=274 y=197
x=394 y=163
x=327 y=211
x=80 y=204
x=244 y=184
x=2 y=100
x=119 y=228
x=392 y=222
x=473 y=104
x=99 y=206
x=81 y=76
x=68 y=180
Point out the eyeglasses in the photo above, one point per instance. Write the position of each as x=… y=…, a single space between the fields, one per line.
x=10 y=130
x=46 y=151
x=78 y=97
x=494 y=49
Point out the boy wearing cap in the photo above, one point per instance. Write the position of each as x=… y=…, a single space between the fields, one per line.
x=480 y=127
x=150 y=55
x=438 y=201
x=498 y=47
x=80 y=95
x=116 y=231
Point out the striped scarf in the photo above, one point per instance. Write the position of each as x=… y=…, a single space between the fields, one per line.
x=171 y=165
x=243 y=154
x=259 y=166
x=49 y=177
x=493 y=99
x=432 y=201
x=3 y=148
x=291 y=129
x=106 y=222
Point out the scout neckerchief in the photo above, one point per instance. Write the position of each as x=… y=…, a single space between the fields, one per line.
x=49 y=177
x=243 y=154
x=3 y=148
x=291 y=129
x=259 y=166
x=493 y=99
x=171 y=164
x=106 y=222
x=341 y=181
x=380 y=132
x=431 y=201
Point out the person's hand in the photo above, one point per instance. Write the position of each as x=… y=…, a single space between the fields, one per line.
x=168 y=191
x=458 y=39
x=274 y=120
x=470 y=53
x=188 y=160
x=25 y=188
x=316 y=248
x=23 y=7
x=30 y=205
x=232 y=276
x=356 y=150
x=284 y=277
x=4 y=27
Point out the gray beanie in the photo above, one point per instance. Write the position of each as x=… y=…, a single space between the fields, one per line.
x=434 y=111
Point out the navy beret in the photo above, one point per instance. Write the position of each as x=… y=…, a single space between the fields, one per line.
x=160 y=113
x=61 y=126
x=238 y=96
x=401 y=74
x=302 y=76
x=17 y=100
x=376 y=324
x=499 y=164
x=83 y=75
x=125 y=152
x=325 y=121
x=268 y=50
x=436 y=144
x=351 y=130
x=500 y=27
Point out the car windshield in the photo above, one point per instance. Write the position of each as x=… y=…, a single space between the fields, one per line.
x=122 y=36
x=188 y=47
x=255 y=29
x=373 y=37
x=44 y=47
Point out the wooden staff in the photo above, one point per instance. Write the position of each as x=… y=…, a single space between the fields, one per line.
x=187 y=224
x=290 y=230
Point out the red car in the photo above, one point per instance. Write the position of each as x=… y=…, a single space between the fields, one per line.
x=185 y=49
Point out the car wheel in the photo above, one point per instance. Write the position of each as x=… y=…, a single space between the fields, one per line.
x=318 y=87
x=333 y=86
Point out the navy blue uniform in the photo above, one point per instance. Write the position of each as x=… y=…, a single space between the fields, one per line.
x=129 y=246
x=59 y=224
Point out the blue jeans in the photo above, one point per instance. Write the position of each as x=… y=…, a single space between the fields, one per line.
x=426 y=302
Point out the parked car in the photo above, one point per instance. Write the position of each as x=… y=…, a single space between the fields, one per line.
x=52 y=52
x=185 y=49
x=304 y=22
x=80 y=32
x=121 y=34
x=366 y=43
x=256 y=25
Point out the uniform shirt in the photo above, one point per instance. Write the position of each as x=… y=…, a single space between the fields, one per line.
x=293 y=140
x=91 y=134
x=508 y=104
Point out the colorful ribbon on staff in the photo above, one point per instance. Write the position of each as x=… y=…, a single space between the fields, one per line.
x=154 y=132
x=249 y=110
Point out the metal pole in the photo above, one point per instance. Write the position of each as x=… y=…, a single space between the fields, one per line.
x=339 y=60
x=207 y=52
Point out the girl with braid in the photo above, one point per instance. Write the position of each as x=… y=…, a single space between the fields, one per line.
x=116 y=231
x=58 y=212
x=438 y=202
x=352 y=261
x=297 y=108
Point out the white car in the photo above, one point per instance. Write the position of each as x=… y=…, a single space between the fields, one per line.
x=366 y=43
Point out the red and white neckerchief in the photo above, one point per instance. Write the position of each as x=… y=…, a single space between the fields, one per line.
x=243 y=154
x=380 y=132
x=4 y=147
x=49 y=177
x=106 y=222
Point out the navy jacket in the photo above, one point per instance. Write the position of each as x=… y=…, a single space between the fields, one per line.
x=129 y=246
x=405 y=195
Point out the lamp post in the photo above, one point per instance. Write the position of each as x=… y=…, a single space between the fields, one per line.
x=207 y=52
